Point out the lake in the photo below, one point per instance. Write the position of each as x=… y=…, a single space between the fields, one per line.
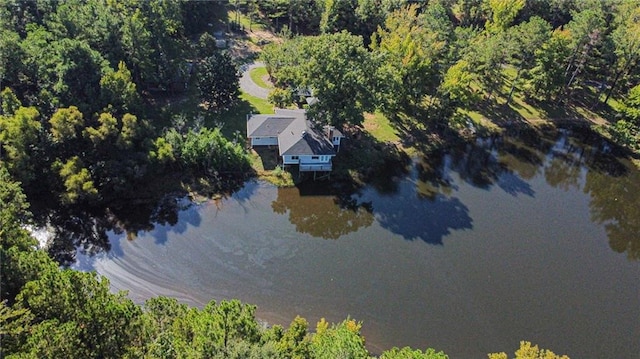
x=519 y=237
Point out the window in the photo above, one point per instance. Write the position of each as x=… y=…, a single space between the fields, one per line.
x=314 y=157
x=294 y=157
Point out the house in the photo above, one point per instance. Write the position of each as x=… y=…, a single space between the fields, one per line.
x=298 y=142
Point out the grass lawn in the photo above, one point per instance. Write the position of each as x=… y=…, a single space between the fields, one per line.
x=235 y=119
x=379 y=127
x=260 y=105
x=496 y=112
x=258 y=74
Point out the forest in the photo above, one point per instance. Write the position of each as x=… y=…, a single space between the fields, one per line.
x=93 y=128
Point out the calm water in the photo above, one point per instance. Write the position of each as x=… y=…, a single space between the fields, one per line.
x=471 y=252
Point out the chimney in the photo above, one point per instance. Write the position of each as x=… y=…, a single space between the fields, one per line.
x=329 y=132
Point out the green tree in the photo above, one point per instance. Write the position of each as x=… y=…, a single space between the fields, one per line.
x=626 y=130
x=469 y=13
x=153 y=41
x=526 y=38
x=129 y=132
x=528 y=351
x=502 y=13
x=281 y=97
x=107 y=129
x=408 y=353
x=586 y=34
x=218 y=81
x=11 y=59
x=305 y=16
x=206 y=151
x=20 y=262
x=370 y=15
x=52 y=339
x=456 y=85
x=278 y=12
x=555 y=12
x=13 y=325
x=137 y=46
x=626 y=38
x=409 y=53
x=631 y=105
x=340 y=71
x=162 y=151
x=233 y=320
x=295 y=342
x=19 y=136
x=546 y=78
x=38 y=61
x=339 y=15
x=341 y=340
x=336 y=67
x=66 y=124
x=17 y=16
x=91 y=322
x=118 y=90
x=9 y=102
x=77 y=181
x=486 y=57
x=96 y=22
x=197 y=15
x=74 y=74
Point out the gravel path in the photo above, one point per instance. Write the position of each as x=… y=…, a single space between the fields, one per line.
x=247 y=85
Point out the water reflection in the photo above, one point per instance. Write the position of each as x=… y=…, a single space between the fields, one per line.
x=323 y=211
x=616 y=205
x=86 y=228
x=423 y=204
x=415 y=217
x=567 y=160
x=480 y=164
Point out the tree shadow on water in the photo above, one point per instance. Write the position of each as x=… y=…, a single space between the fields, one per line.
x=86 y=229
x=413 y=217
x=478 y=164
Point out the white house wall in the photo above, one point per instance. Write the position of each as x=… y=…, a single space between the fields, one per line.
x=315 y=159
x=264 y=141
x=294 y=160
x=290 y=160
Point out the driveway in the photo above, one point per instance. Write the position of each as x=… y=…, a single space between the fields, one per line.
x=247 y=85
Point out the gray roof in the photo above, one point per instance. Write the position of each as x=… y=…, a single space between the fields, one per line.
x=295 y=134
x=267 y=125
x=302 y=140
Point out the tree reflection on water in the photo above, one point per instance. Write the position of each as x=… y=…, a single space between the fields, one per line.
x=578 y=160
x=323 y=211
x=86 y=229
x=421 y=205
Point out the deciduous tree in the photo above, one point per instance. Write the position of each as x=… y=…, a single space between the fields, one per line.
x=342 y=340
x=502 y=13
x=218 y=81
x=529 y=351
x=409 y=52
